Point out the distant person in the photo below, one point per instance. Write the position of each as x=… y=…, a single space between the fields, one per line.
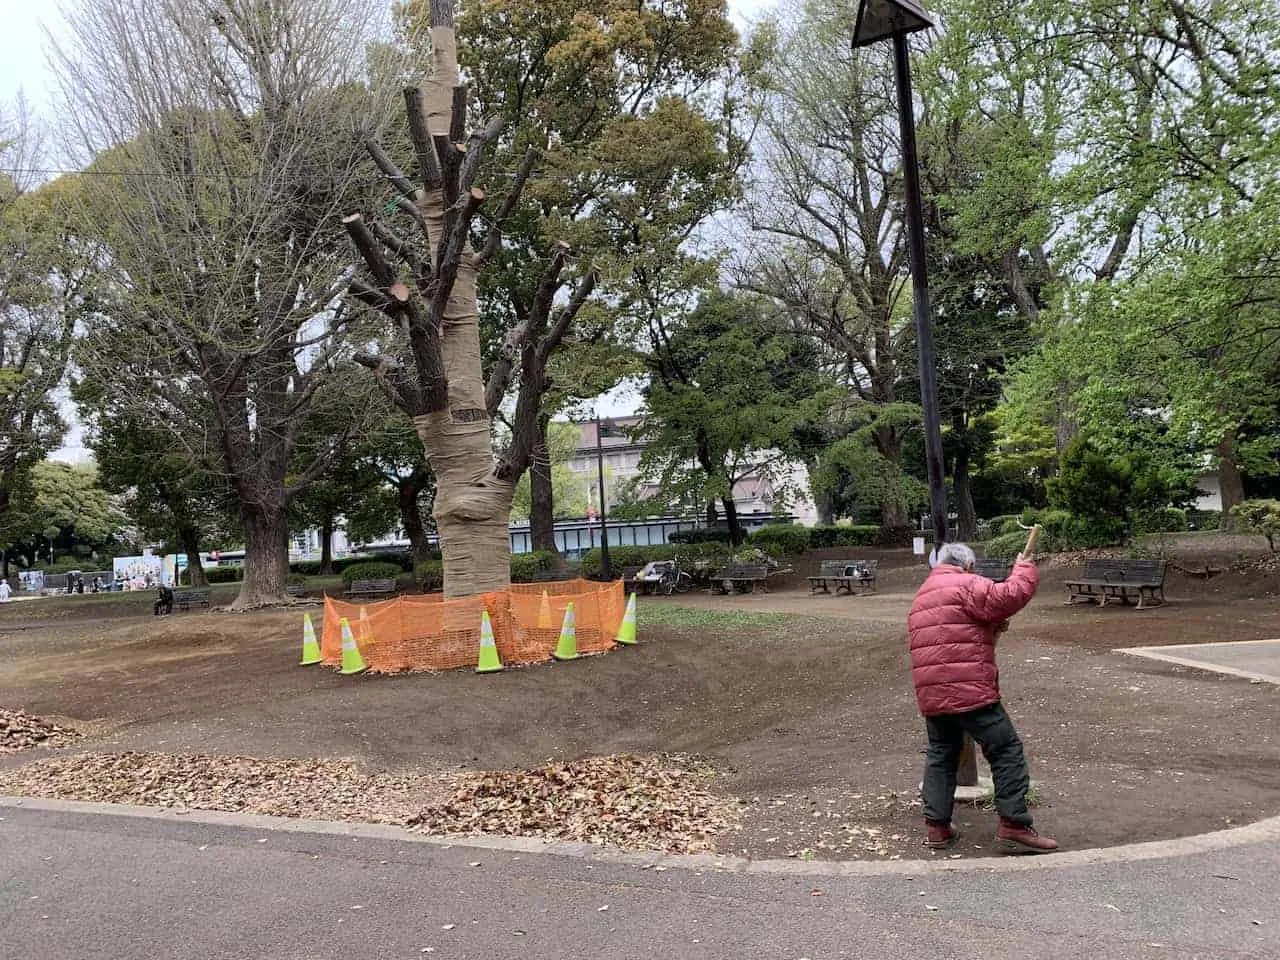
x=5 y=590
x=164 y=602
x=953 y=625
x=97 y=585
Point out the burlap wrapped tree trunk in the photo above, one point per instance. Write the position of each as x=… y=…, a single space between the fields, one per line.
x=429 y=290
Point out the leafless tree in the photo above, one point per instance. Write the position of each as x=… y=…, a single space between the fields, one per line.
x=829 y=248
x=429 y=292
x=225 y=141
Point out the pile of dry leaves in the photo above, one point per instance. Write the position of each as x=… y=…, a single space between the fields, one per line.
x=316 y=789
x=19 y=730
x=654 y=803
x=642 y=804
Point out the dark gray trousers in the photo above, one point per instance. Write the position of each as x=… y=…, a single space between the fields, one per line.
x=993 y=731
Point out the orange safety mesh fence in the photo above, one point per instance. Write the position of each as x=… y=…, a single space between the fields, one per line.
x=426 y=632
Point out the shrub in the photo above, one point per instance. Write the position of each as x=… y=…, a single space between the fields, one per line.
x=1164 y=520
x=223 y=574
x=1259 y=517
x=999 y=526
x=306 y=568
x=700 y=536
x=1063 y=531
x=894 y=536
x=781 y=541
x=296 y=580
x=1204 y=519
x=828 y=536
x=429 y=575
x=625 y=556
x=525 y=567
x=1007 y=546
x=371 y=570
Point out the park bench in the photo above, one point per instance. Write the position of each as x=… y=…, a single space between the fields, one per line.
x=296 y=590
x=1105 y=580
x=629 y=578
x=740 y=578
x=184 y=600
x=997 y=570
x=551 y=576
x=371 y=589
x=843 y=575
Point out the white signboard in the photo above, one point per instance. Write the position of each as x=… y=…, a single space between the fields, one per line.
x=917 y=546
x=137 y=573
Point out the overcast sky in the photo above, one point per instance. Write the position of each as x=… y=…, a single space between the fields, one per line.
x=24 y=69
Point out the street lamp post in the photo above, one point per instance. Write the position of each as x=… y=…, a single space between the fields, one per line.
x=896 y=19
x=879 y=20
x=605 y=569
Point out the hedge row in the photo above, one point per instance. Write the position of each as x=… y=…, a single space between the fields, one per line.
x=525 y=568
x=310 y=568
x=700 y=536
x=371 y=570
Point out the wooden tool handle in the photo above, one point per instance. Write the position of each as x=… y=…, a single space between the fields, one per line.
x=1032 y=537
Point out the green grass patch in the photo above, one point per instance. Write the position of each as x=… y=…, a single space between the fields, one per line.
x=690 y=618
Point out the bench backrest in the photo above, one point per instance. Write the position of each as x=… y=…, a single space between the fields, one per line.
x=372 y=586
x=1126 y=571
x=190 y=595
x=743 y=572
x=833 y=568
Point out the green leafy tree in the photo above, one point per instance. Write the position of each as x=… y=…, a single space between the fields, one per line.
x=169 y=497
x=569 y=487
x=46 y=279
x=730 y=396
x=1108 y=490
x=1259 y=517
x=67 y=513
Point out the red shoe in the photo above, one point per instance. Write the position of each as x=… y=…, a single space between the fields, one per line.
x=1018 y=838
x=940 y=835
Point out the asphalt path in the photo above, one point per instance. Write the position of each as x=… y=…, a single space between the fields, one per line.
x=94 y=886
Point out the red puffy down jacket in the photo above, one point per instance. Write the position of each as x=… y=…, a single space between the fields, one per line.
x=952 y=627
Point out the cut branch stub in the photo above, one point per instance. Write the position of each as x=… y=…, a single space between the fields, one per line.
x=389 y=168
x=369 y=249
x=450 y=163
x=451 y=250
x=458 y=116
x=428 y=164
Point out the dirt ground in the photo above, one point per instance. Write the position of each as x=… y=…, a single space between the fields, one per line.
x=804 y=706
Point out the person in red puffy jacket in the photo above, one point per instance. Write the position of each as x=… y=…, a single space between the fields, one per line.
x=953 y=626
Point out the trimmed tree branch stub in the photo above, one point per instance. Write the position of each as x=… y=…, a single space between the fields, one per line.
x=428 y=163
x=383 y=272
x=389 y=169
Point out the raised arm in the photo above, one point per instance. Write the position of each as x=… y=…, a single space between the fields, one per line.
x=990 y=602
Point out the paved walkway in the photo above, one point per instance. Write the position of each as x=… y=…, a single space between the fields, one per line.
x=88 y=885
x=1255 y=659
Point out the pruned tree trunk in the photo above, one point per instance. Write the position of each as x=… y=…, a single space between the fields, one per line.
x=326 y=545
x=542 y=507
x=451 y=405
x=266 y=558
x=189 y=537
